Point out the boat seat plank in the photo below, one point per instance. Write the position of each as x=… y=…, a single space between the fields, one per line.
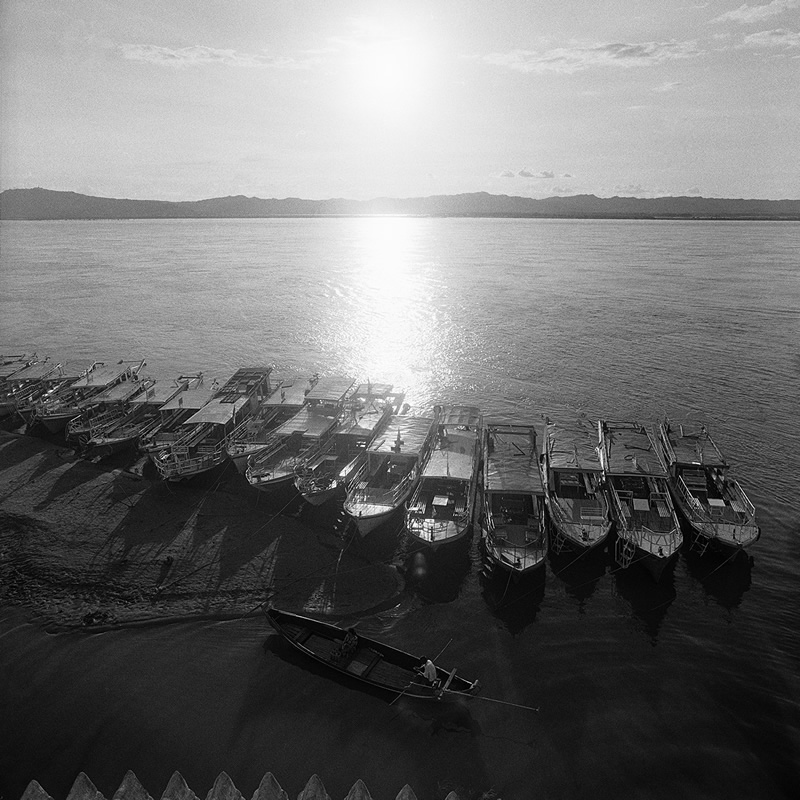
x=363 y=663
x=303 y=635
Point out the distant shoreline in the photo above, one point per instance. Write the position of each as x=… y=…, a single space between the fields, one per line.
x=44 y=204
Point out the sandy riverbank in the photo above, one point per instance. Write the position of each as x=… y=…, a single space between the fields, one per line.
x=85 y=543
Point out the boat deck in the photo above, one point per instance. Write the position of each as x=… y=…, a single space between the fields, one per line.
x=644 y=503
x=364 y=662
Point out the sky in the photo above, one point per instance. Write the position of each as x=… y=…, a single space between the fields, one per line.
x=190 y=99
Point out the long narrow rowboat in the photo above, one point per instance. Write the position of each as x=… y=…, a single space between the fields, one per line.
x=371 y=662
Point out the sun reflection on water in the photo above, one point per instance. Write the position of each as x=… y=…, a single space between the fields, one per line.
x=392 y=320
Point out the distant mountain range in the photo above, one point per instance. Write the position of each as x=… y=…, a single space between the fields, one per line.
x=41 y=204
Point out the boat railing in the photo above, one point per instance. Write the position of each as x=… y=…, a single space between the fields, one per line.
x=535 y=540
x=362 y=490
x=178 y=461
x=621 y=508
x=740 y=502
x=262 y=460
x=90 y=423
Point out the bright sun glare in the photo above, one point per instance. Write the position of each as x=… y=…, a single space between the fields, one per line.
x=388 y=74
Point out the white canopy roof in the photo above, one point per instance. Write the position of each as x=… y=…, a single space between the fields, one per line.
x=217 y=411
x=195 y=398
x=629 y=450
x=412 y=433
x=308 y=423
x=512 y=460
x=330 y=389
x=572 y=446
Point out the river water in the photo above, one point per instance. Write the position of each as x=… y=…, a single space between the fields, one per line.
x=689 y=687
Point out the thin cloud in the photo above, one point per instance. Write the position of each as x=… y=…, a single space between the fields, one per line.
x=668 y=86
x=780 y=37
x=631 y=189
x=746 y=14
x=575 y=59
x=525 y=173
x=200 y=55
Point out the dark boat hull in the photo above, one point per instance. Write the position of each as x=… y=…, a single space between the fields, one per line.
x=372 y=662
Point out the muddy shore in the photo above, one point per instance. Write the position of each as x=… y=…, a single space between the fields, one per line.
x=97 y=544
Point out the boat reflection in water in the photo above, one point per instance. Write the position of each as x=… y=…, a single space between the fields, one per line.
x=649 y=601
x=515 y=603
x=724 y=576
x=580 y=573
x=437 y=576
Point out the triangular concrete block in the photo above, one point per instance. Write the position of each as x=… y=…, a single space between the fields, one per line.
x=270 y=789
x=131 y=789
x=177 y=789
x=314 y=790
x=406 y=793
x=84 y=789
x=359 y=792
x=34 y=791
x=224 y=789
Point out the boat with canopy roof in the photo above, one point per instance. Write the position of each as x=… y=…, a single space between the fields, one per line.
x=327 y=469
x=306 y=431
x=253 y=436
x=513 y=526
x=200 y=444
x=390 y=472
x=647 y=527
x=573 y=478
x=442 y=507
x=713 y=503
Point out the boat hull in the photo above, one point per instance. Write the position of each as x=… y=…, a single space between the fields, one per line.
x=511 y=559
x=57 y=423
x=724 y=535
x=369 y=661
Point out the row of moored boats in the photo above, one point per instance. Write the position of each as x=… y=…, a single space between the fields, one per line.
x=532 y=486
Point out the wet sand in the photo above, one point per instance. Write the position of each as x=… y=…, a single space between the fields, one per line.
x=95 y=544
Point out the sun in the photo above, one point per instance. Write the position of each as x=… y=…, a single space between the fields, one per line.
x=388 y=74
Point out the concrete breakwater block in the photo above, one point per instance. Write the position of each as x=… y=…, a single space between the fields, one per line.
x=223 y=789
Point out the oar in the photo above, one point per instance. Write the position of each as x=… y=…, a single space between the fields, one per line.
x=410 y=684
x=493 y=700
x=442 y=651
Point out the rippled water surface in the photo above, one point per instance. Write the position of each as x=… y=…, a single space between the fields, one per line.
x=685 y=688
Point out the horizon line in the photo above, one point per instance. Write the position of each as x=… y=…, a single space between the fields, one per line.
x=407 y=198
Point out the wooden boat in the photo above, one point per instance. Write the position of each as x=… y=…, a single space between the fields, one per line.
x=372 y=662
x=56 y=411
x=55 y=385
x=252 y=436
x=308 y=430
x=11 y=363
x=326 y=470
x=647 y=526
x=200 y=446
x=713 y=503
x=174 y=413
x=26 y=385
x=141 y=417
x=104 y=408
x=390 y=472
x=513 y=519
x=442 y=507
x=573 y=477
